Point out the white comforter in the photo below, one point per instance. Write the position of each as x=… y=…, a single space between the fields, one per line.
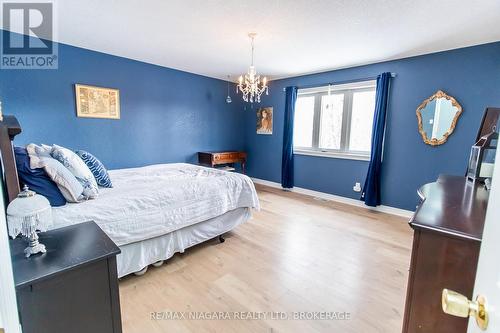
x=154 y=200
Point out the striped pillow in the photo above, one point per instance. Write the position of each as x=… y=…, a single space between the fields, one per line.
x=96 y=167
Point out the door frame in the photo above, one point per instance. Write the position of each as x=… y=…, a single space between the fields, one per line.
x=9 y=316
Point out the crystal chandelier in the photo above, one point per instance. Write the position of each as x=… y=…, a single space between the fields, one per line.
x=250 y=86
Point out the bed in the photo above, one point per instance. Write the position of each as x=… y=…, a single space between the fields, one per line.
x=154 y=211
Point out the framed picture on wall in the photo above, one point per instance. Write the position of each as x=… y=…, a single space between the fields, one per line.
x=97 y=102
x=265 y=120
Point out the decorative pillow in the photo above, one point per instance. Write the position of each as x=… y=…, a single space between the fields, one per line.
x=96 y=167
x=36 y=179
x=78 y=168
x=69 y=186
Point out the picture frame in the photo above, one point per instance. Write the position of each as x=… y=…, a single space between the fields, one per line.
x=265 y=120
x=97 y=102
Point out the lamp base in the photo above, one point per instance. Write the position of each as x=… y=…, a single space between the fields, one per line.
x=34 y=246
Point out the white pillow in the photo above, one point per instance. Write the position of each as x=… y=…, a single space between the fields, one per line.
x=78 y=168
x=69 y=186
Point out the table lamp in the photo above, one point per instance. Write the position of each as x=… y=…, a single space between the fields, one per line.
x=26 y=214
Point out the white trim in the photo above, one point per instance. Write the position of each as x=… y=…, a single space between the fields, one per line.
x=338 y=87
x=332 y=154
x=8 y=302
x=337 y=198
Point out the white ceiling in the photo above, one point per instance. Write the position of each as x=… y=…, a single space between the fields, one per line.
x=209 y=37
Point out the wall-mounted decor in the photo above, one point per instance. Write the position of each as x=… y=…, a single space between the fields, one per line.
x=97 y=102
x=437 y=117
x=265 y=120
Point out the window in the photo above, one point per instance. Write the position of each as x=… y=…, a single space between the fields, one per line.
x=335 y=121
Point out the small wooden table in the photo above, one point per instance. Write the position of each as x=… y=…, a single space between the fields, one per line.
x=223 y=157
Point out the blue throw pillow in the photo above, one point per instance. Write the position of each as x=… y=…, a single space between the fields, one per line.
x=36 y=179
x=96 y=167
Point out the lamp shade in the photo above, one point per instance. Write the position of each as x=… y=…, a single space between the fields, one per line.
x=27 y=213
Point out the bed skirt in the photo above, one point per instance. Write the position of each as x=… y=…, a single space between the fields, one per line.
x=136 y=256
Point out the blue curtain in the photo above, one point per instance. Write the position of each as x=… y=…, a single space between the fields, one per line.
x=371 y=190
x=287 y=158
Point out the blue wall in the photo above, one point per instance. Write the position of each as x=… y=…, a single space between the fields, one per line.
x=166 y=115
x=169 y=115
x=471 y=75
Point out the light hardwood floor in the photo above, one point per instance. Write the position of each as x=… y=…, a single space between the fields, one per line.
x=298 y=254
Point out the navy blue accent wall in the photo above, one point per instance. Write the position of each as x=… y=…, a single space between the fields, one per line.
x=166 y=115
x=169 y=115
x=471 y=75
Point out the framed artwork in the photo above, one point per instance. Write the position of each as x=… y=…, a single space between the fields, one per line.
x=265 y=120
x=97 y=102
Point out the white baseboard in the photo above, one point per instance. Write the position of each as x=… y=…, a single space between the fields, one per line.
x=337 y=198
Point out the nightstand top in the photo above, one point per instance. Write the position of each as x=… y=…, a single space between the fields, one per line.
x=67 y=248
x=223 y=152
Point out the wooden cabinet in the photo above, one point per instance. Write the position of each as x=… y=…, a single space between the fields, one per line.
x=448 y=227
x=71 y=288
x=213 y=159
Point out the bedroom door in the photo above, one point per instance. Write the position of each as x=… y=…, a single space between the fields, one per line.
x=487 y=283
x=484 y=310
x=9 y=320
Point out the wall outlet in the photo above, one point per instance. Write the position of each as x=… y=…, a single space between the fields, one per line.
x=357 y=187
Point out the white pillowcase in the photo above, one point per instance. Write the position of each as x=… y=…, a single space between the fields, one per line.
x=69 y=186
x=78 y=168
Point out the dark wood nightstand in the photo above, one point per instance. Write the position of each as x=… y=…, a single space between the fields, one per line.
x=71 y=288
x=223 y=157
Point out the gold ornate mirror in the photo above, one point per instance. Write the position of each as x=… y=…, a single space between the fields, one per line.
x=437 y=117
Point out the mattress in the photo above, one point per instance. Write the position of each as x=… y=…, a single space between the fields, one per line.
x=154 y=200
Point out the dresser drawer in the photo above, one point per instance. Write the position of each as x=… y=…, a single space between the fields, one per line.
x=222 y=157
x=229 y=157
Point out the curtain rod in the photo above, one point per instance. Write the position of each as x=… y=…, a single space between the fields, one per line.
x=339 y=82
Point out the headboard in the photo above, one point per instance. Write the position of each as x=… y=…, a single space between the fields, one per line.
x=9 y=128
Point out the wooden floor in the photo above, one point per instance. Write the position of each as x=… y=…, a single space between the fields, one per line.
x=298 y=254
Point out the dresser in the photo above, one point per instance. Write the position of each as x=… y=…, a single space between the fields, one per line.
x=213 y=159
x=448 y=227
x=71 y=288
